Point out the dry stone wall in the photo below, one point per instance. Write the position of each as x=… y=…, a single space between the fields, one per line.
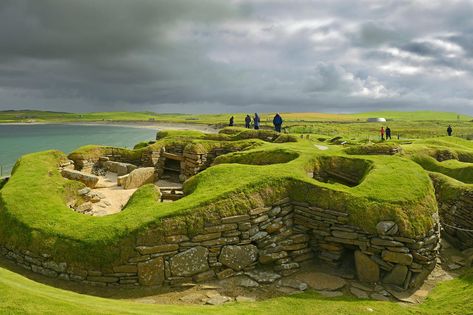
x=382 y=257
x=115 y=162
x=190 y=162
x=457 y=220
x=265 y=244
x=235 y=245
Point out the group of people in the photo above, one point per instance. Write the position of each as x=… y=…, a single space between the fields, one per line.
x=277 y=122
x=386 y=133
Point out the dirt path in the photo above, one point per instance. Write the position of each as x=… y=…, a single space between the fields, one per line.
x=151 y=125
x=113 y=198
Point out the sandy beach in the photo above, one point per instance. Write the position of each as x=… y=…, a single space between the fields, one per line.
x=130 y=124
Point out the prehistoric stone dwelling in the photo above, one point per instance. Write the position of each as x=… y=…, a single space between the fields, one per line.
x=265 y=231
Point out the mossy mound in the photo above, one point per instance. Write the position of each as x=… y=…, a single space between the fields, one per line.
x=258 y=157
x=375 y=148
x=33 y=202
x=446 y=155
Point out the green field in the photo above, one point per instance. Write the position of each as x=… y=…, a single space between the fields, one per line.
x=406 y=125
x=45 y=116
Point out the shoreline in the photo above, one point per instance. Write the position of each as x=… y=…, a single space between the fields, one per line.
x=130 y=124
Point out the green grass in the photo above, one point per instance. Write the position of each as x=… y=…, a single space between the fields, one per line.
x=415 y=116
x=452 y=168
x=223 y=118
x=408 y=125
x=425 y=153
x=406 y=129
x=44 y=116
x=19 y=295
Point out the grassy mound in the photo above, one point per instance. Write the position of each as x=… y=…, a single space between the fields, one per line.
x=32 y=203
x=447 y=155
x=376 y=148
x=258 y=157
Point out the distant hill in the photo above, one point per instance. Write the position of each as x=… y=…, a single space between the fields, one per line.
x=50 y=116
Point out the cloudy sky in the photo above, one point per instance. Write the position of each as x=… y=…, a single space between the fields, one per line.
x=236 y=55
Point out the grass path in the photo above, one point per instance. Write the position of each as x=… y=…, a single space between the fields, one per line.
x=19 y=295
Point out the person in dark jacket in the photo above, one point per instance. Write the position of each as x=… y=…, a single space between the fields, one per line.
x=449 y=130
x=247 y=121
x=231 y=121
x=277 y=122
x=388 y=133
x=256 y=121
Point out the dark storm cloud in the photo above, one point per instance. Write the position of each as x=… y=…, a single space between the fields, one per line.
x=238 y=55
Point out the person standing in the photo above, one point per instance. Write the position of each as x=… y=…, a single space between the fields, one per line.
x=449 y=130
x=382 y=133
x=277 y=122
x=247 y=121
x=256 y=121
x=388 y=133
x=231 y=121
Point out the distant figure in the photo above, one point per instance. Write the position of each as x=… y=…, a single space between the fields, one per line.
x=231 y=121
x=247 y=121
x=277 y=122
x=388 y=133
x=382 y=133
x=449 y=130
x=256 y=121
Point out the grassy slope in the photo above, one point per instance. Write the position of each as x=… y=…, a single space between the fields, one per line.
x=424 y=152
x=19 y=295
x=404 y=128
x=23 y=116
x=39 y=212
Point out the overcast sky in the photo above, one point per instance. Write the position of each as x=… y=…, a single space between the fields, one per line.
x=236 y=55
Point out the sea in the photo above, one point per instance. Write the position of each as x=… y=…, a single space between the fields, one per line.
x=17 y=140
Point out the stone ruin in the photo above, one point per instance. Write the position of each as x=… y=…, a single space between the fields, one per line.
x=265 y=244
x=172 y=164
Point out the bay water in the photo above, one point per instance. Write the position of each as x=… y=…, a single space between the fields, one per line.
x=17 y=140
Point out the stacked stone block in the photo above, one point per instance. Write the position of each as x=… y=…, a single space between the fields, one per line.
x=265 y=243
x=457 y=220
x=382 y=257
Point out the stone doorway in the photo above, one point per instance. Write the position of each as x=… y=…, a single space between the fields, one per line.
x=337 y=259
x=347 y=265
x=171 y=170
